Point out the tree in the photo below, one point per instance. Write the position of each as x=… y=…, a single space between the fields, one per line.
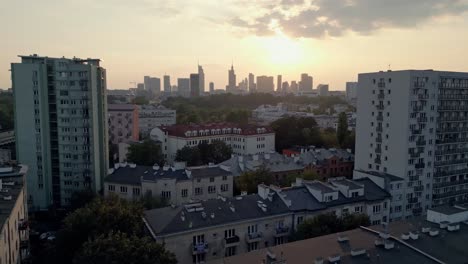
x=146 y=153
x=204 y=153
x=239 y=117
x=80 y=199
x=219 y=152
x=120 y=248
x=248 y=181
x=149 y=202
x=98 y=217
x=191 y=155
x=342 y=131
x=140 y=100
x=310 y=176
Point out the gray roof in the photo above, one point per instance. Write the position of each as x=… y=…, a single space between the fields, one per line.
x=448 y=210
x=314 y=155
x=321 y=187
x=169 y=220
x=134 y=176
x=389 y=177
x=352 y=185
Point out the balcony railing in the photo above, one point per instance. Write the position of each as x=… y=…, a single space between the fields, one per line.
x=379 y=139
x=378 y=150
x=418 y=108
x=450 y=172
x=450 y=162
x=452 y=108
x=418 y=188
x=449 y=194
x=422 y=119
x=380 y=118
x=420 y=142
x=451 y=141
x=381 y=85
x=377 y=161
x=381 y=96
x=419 y=165
x=200 y=248
x=451 y=151
x=379 y=129
x=282 y=231
x=230 y=241
x=419 y=84
x=449 y=183
x=423 y=96
x=452 y=129
x=416 y=131
x=452 y=119
x=415 y=154
x=253 y=237
x=453 y=97
x=380 y=107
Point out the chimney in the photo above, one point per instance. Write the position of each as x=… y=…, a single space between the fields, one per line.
x=263 y=191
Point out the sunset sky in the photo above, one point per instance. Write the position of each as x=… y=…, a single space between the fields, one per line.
x=332 y=40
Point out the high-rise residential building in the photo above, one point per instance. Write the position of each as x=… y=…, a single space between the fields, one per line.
x=294 y=87
x=61 y=126
x=252 y=86
x=140 y=87
x=211 y=87
x=194 y=85
x=279 y=83
x=413 y=124
x=201 y=78
x=307 y=83
x=351 y=90
x=152 y=85
x=167 y=84
x=231 y=87
x=322 y=89
x=123 y=123
x=183 y=87
x=265 y=84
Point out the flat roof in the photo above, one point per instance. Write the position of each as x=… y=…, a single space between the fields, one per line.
x=389 y=177
x=449 y=210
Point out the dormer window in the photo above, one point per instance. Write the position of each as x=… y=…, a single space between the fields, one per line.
x=354 y=194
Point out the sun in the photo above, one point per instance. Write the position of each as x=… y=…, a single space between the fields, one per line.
x=282 y=50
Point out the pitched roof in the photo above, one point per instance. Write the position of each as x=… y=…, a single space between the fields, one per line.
x=180 y=130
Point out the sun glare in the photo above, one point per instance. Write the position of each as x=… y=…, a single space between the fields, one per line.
x=283 y=50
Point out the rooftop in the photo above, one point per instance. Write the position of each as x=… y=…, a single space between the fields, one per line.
x=352 y=185
x=120 y=107
x=194 y=130
x=384 y=175
x=12 y=181
x=449 y=210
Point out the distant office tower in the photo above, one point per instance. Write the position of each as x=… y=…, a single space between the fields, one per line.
x=285 y=87
x=194 y=85
x=351 y=90
x=140 y=87
x=279 y=83
x=413 y=124
x=265 y=84
x=61 y=126
x=153 y=86
x=201 y=78
x=322 y=89
x=243 y=85
x=294 y=87
x=231 y=87
x=252 y=85
x=183 y=87
x=167 y=83
x=307 y=83
x=211 y=87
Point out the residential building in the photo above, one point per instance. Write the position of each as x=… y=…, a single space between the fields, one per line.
x=14 y=242
x=351 y=90
x=279 y=83
x=151 y=116
x=214 y=229
x=61 y=126
x=123 y=123
x=152 y=85
x=327 y=121
x=252 y=86
x=323 y=89
x=167 y=84
x=269 y=113
x=212 y=88
x=413 y=124
x=231 y=87
x=175 y=185
x=201 y=79
x=183 y=87
x=5 y=155
x=243 y=139
x=306 y=83
x=194 y=85
x=265 y=84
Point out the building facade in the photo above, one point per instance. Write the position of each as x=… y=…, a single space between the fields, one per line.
x=183 y=87
x=243 y=139
x=413 y=124
x=351 y=90
x=265 y=84
x=194 y=85
x=61 y=126
x=123 y=123
x=231 y=87
x=167 y=84
x=175 y=185
x=307 y=83
x=150 y=116
x=322 y=89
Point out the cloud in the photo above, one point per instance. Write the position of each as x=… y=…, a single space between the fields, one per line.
x=319 y=18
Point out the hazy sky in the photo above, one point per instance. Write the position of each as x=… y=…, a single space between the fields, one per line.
x=333 y=40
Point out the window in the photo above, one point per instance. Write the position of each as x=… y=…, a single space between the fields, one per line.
x=224 y=178
x=211 y=189
x=184 y=193
x=123 y=189
x=252 y=246
x=354 y=194
x=111 y=188
x=199 y=191
x=376 y=209
x=136 y=191
x=230 y=251
x=300 y=219
x=212 y=179
x=224 y=187
x=166 y=194
x=228 y=233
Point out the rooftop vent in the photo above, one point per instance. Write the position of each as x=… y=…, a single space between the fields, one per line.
x=212 y=215
x=318 y=260
x=389 y=244
x=358 y=252
x=132 y=165
x=7 y=198
x=238 y=198
x=334 y=258
x=433 y=232
x=343 y=238
x=232 y=209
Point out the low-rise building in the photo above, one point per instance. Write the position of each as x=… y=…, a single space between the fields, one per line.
x=151 y=116
x=14 y=235
x=175 y=185
x=214 y=229
x=243 y=139
x=123 y=123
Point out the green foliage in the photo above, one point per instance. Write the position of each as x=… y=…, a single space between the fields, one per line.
x=6 y=111
x=290 y=131
x=120 y=248
x=140 y=100
x=329 y=223
x=310 y=176
x=249 y=181
x=99 y=217
x=204 y=153
x=146 y=153
x=80 y=199
x=342 y=131
x=239 y=117
x=149 y=202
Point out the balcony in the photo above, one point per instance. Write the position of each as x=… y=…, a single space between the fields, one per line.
x=450 y=173
x=414 y=154
x=452 y=129
x=282 y=231
x=449 y=183
x=416 y=131
x=379 y=129
x=378 y=150
x=450 y=162
x=451 y=151
x=379 y=139
x=451 y=140
x=449 y=194
x=452 y=119
x=380 y=107
x=253 y=237
x=381 y=96
x=231 y=241
x=418 y=188
x=419 y=165
x=412 y=200
x=423 y=96
x=200 y=248
x=418 y=108
x=421 y=119
x=377 y=161
x=452 y=108
x=380 y=118
x=23 y=225
x=419 y=85
x=420 y=142
x=381 y=84
x=453 y=97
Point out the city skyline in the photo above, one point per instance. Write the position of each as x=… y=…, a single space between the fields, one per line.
x=334 y=50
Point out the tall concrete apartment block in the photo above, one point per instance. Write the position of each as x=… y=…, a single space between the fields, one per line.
x=414 y=124
x=61 y=126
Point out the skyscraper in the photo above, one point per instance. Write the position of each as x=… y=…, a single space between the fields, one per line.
x=183 y=87
x=413 y=124
x=252 y=86
x=322 y=89
x=211 y=87
x=194 y=85
x=279 y=83
x=152 y=85
x=293 y=87
x=231 y=87
x=285 y=87
x=307 y=83
x=61 y=126
x=201 y=77
x=167 y=83
x=265 y=84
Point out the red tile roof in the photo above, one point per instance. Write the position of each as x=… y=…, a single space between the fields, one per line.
x=180 y=130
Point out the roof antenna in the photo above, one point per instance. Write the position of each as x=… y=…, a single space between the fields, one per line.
x=389 y=67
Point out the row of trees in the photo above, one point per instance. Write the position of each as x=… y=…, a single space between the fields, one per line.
x=6 y=111
x=329 y=223
x=107 y=230
x=204 y=153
